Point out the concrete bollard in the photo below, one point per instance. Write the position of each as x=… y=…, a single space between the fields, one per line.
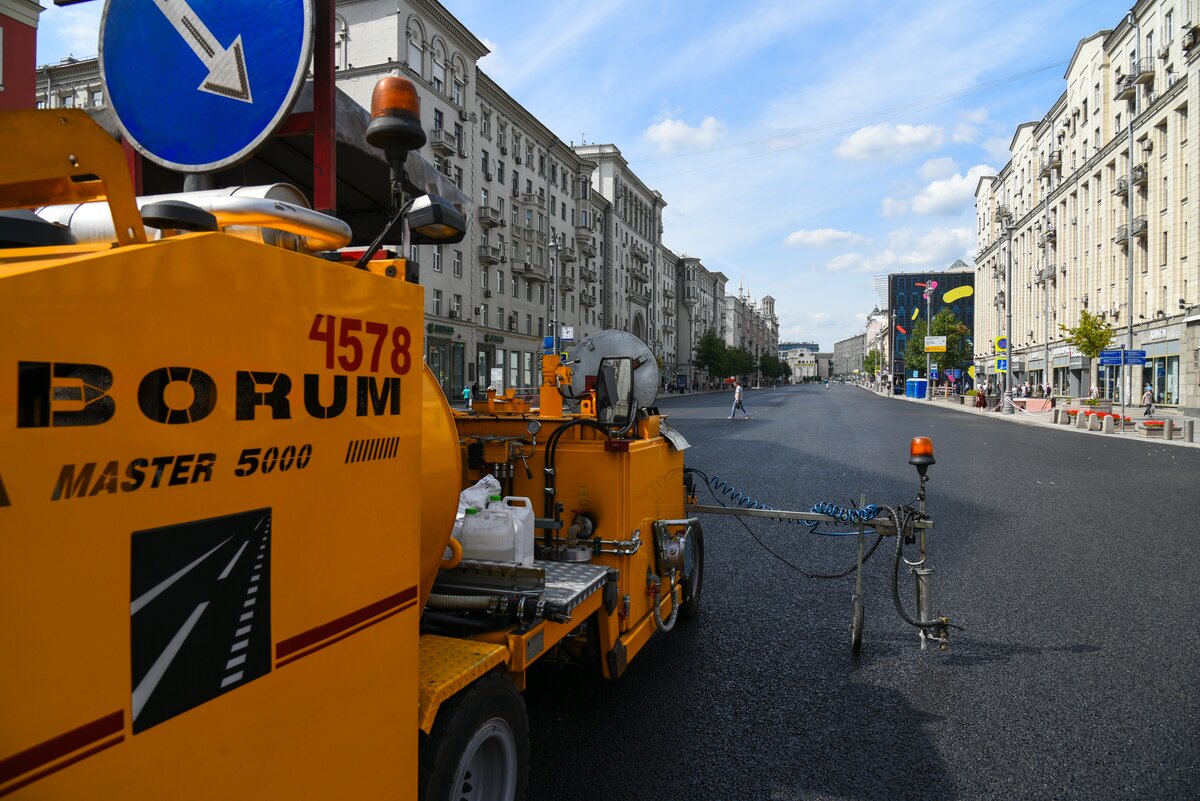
x=1108 y=424
x=1066 y=418
x=1094 y=423
x=1189 y=428
x=1168 y=429
x=1081 y=420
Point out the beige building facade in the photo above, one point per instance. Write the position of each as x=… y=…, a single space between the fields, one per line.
x=1101 y=189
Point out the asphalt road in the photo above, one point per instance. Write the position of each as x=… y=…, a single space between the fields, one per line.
x=1071 y=560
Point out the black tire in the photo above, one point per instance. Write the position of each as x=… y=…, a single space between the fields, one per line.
x=693 y=585
x=478 y=747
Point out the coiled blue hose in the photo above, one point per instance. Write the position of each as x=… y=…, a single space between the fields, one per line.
x=852 y=515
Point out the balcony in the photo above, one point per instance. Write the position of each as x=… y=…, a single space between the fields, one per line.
x=1139 y=227
x=540 y=237
x=691 y=296
x=638 y=271
x=490 y=217
x=528 y=234
x=568 y=254
x=1050 y=235
x=587 y=301
x=1144 y=72
x=587 y=274
x=587 y=246
x=1140 y=175
x=536 y=272
x=443 y=142
x=639 y=253
x=566 y=282
x=669 y=293
x=1122 y=234
x=490 y=254
x=1126 y=89
x=517 y=264
x=1122 y=187
x=668 y=327
x=529 y=199
x=1055 y=159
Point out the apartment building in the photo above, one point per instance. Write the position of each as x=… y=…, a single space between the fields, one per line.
x=559 y=232
x=1093 y=212
x=750 y=325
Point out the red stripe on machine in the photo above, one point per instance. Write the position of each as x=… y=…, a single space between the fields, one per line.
x=343 y=625
x=60 y=746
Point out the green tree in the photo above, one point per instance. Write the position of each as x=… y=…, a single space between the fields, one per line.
x=741 y=362
x=771 y=366
x=1090 y=336
x=873 y=361
x=959 y=352
x=711 y=355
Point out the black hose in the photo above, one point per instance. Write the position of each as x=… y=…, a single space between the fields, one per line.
x=902 y=522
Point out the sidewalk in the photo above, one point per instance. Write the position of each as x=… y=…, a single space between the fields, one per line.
x=1046 y=419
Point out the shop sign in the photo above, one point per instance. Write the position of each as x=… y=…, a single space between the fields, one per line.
x=434 y=328
x=492 y=338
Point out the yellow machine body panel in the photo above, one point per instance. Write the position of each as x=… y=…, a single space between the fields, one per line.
x=210 y=515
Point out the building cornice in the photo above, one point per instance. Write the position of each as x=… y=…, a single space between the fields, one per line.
x=23 y=11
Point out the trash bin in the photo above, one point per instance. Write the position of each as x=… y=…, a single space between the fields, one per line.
x=915 y=388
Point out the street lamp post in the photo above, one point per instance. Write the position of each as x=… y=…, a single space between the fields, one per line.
x=1128 y=380
x=928 y=333
x=1007 y=404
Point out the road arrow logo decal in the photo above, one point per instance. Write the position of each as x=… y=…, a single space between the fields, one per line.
x=226 y=66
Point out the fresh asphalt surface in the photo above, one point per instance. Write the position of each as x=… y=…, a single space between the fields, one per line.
x=1070 y=559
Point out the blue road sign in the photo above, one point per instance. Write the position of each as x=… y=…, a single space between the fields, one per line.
x=933 y=373
x=1112 y=358
x=199 y=85
x=1001 y=365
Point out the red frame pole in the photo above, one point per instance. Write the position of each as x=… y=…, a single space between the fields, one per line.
x=324 y=123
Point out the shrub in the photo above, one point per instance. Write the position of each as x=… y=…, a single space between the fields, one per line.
x=1091 y=402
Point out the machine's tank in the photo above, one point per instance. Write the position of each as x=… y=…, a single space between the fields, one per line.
x=588 y=352
x=441 y=478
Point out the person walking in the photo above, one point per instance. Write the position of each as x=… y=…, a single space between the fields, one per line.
x=1148 y=401
x=737 y=401
x=466 y=395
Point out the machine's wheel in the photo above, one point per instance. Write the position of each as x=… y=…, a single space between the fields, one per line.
x=693 y=585
x=857 y=615
x=479 y=746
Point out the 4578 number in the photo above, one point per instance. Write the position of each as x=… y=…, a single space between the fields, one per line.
x=348 y=340
x=256 y=460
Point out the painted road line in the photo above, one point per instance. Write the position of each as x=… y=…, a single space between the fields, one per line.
x=249 y=602
x=163 y=585
x=232 y=562
x=253 y=589
x=145 y=688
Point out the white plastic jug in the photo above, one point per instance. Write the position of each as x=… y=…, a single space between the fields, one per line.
x=521 y=510
x=489 y=534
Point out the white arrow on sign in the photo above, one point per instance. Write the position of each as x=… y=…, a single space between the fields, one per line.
x=226 y=66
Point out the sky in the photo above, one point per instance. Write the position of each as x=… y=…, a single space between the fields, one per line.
x=802 y=147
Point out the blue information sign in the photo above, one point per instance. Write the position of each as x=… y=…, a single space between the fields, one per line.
x=1112 y=358
x=198 y=85
x=1001 y=365
x=933 y=373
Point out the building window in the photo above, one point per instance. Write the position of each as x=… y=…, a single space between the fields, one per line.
x=457 y=93
x=439 y=119
x=439 y=75
x=500 y=282
x=515 y=286
x=483 y=161
x=437 y=302
x=415 y=52
x=456 y=306
x=458 y=264
x=485 y=127
x=437 y=259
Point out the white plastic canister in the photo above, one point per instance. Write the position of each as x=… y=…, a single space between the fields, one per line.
x=489 y=534
x=521 y=510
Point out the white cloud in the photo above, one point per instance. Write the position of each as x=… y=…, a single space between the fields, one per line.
x=673 y=135
x=71 y=29
x=976 y=116
x=964 y=133
x=951 y=195
x=997 y=150
x=822 y=237
x=935 y=169
x=935 y=249
x=889 y=142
